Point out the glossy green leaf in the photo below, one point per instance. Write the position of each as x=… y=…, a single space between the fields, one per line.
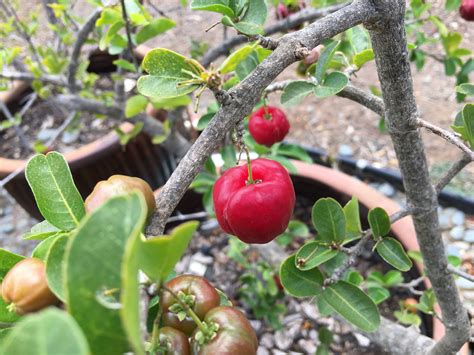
x=94 y=258
x=312 y=255
x=292 y=151
x=56 y=195
x=359 y=38
x=135 y=105
x=153 y=29
x=333 y=83
x=295 y=92
x=354 y=278
x=329 y=220
x=7 y=261
x=427 y=302
x=323 y=307
x=235 y=58
x=379 y=222
x=390 y=279
x=168 y=73
x=125 y=64
x=108 y=17
x=300 y=283
x=42 y=249
x=407 y=318
x=324 y=60
x=55 y=266
x=363 y=57
x=41 y=231
x=378 y=294
x=393 y=253
x=466 y=89
x=159 y=255
x=353 y=304
x=252 y=21
x=352 y=214
x=221 y=6
x=49 y=332
x=169 y=104
x=468 y=119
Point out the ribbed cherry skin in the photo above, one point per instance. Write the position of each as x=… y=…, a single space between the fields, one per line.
x=467 y=10
x=268 y=125
x=255 y=213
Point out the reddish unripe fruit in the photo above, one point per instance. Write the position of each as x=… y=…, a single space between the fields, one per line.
x=282 y=11
x=467 y=10
x=268 y=125
x=410 y=305
x=25 y=287
x=259 y=212
x=176 y=342
x=235 y=334
x=278 y=283
x=205 y=298
x=118 y=185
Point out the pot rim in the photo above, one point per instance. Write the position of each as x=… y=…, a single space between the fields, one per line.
x=77 y=157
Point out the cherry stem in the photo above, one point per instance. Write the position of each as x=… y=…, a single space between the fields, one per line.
x=249 y=167
x=267 y=114
x=188 y=311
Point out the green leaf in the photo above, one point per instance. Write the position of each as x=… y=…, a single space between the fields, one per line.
x=300 y=283
x=49 y=332
x=125 y=64
x=108 y=17
x=94 y=258
x=55 y=266
x=41 y=231
x=252 y=21
x=293 y=151
x=466 y=89
x=468 y=119
x=125 y=137
x=329 y=220
x=407 y=318
x=324 y=60
x=393 y=253
x=295 y=92
x=283 y=161
x=7 y=261
x=171 y=103
x=159 y=255
x=167 y=69
x=353 y=305
x=42 y=249
x=427 y=302
x=153 y=29
x=135 y=105
x=220 y=6
x=235 y=58
x=354 y=278
x=352 y=214
x=312 y=255
x=451 y=41
x=379 y=222
x=324 y=308
x=334 y=83
x=55 y=193
x=378 y=294
x=363 y=57
x=452 y=5
x=359 y=39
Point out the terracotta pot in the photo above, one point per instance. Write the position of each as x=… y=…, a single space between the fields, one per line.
x=97 y=160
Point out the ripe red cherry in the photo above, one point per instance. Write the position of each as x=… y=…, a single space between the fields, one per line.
x=282 y=11
x=467 y=10
x=259 y=212
x=268 y=125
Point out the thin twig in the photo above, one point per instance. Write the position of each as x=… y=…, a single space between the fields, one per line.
x=129 y=35
x=461 y=273
x=185 y=217
x=28 y=77
x=82 y=36
x=452 y=172
x=10 y=11
x=19 y=132
x=412 y=284
x=448 y=136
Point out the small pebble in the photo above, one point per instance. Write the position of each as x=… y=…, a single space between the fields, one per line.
x=203 y=259
x=362 y=340
x=307 y=346
x=197 y=268
x=267 y=340
x=45 y=134
x=7 y=228
x=282 y=340
x=70 y=136
x=256 y=324
x=262 y=351
x=469 y=236
x=387 y=189
x=278 y=352
x=345 y=151
x=444 y=220
x=310 y=311
x=458 y=218
x=457 y=233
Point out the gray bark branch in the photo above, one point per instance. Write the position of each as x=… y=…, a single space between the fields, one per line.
x=391 y=57
x=309 y=14
x=244 y=97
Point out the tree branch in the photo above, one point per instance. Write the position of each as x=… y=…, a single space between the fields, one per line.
x=452 y=172
x=309 y=14
x=82 y=36
x=129 y=35
x=28 y=77
x=243 y=98
x=391 y=57
x=461 y=273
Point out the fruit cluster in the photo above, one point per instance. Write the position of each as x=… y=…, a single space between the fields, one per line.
x=191 y=309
